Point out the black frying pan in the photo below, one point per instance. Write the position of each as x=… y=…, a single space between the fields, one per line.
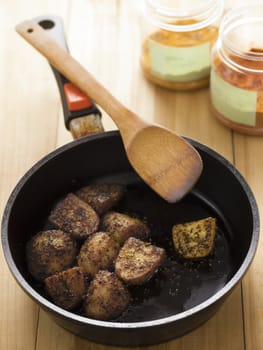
x=182 y=295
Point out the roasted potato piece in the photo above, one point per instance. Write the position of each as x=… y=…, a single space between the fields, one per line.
x=75 y=217
x=122 y=226
x=101 y=197
x=107 y=297
x=98 y=253
x=194 y=239
x=49 y=252
x=137 y=261
x=67 y=288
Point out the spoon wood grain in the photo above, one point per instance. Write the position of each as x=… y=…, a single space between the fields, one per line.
x=164 y=160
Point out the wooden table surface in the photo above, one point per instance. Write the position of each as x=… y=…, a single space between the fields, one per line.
x=105 y=35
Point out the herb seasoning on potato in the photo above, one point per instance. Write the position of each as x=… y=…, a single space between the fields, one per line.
x=196 y=239
x=98 y=253
x=123 y=226
x=49 y=252
x=101 y=197
x=67 y=288
x=137 y=261
x=74 y=216
x=107 y=297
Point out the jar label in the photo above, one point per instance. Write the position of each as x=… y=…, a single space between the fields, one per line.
x=180 y=63
x=236 y=104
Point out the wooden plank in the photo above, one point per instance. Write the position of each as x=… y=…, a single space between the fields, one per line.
x=249 y=160
x=29 y=107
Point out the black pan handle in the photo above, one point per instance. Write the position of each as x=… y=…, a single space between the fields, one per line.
x=75 y=103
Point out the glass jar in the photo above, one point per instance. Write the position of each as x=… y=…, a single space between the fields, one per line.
x=236 y=86
x=178 y=39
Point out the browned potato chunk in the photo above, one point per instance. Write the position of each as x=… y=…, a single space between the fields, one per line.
x=101 y=197
x=98 y=253
x=75 y=217
x=67 y=288
x=195 y=239
x=123 y=226
x=49 y=252
x=107 y=297
x=137 y=261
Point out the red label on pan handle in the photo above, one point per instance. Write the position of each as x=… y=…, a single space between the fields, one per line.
x=76 y=99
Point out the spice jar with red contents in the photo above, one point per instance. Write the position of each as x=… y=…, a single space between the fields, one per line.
x=177 y=43
x=236 y=86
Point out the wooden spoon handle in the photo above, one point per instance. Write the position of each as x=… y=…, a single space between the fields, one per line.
x=128 y=122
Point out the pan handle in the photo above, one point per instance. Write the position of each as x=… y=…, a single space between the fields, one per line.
x=81 y=115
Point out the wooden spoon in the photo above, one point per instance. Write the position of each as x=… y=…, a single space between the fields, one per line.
x=165 y=161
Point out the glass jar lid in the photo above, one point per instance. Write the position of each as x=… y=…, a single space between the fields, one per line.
x=241 y=36
x=183 y=15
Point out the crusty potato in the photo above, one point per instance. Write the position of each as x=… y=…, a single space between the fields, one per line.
x=122 y=226
x=194 y=239
x=75 y=217
x=101 y=197
x=137 y=261
x=98 y=253
x=67 y=288
x=49 y=252
x=107 y=297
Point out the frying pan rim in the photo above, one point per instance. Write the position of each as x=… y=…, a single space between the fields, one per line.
x=52 y=308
